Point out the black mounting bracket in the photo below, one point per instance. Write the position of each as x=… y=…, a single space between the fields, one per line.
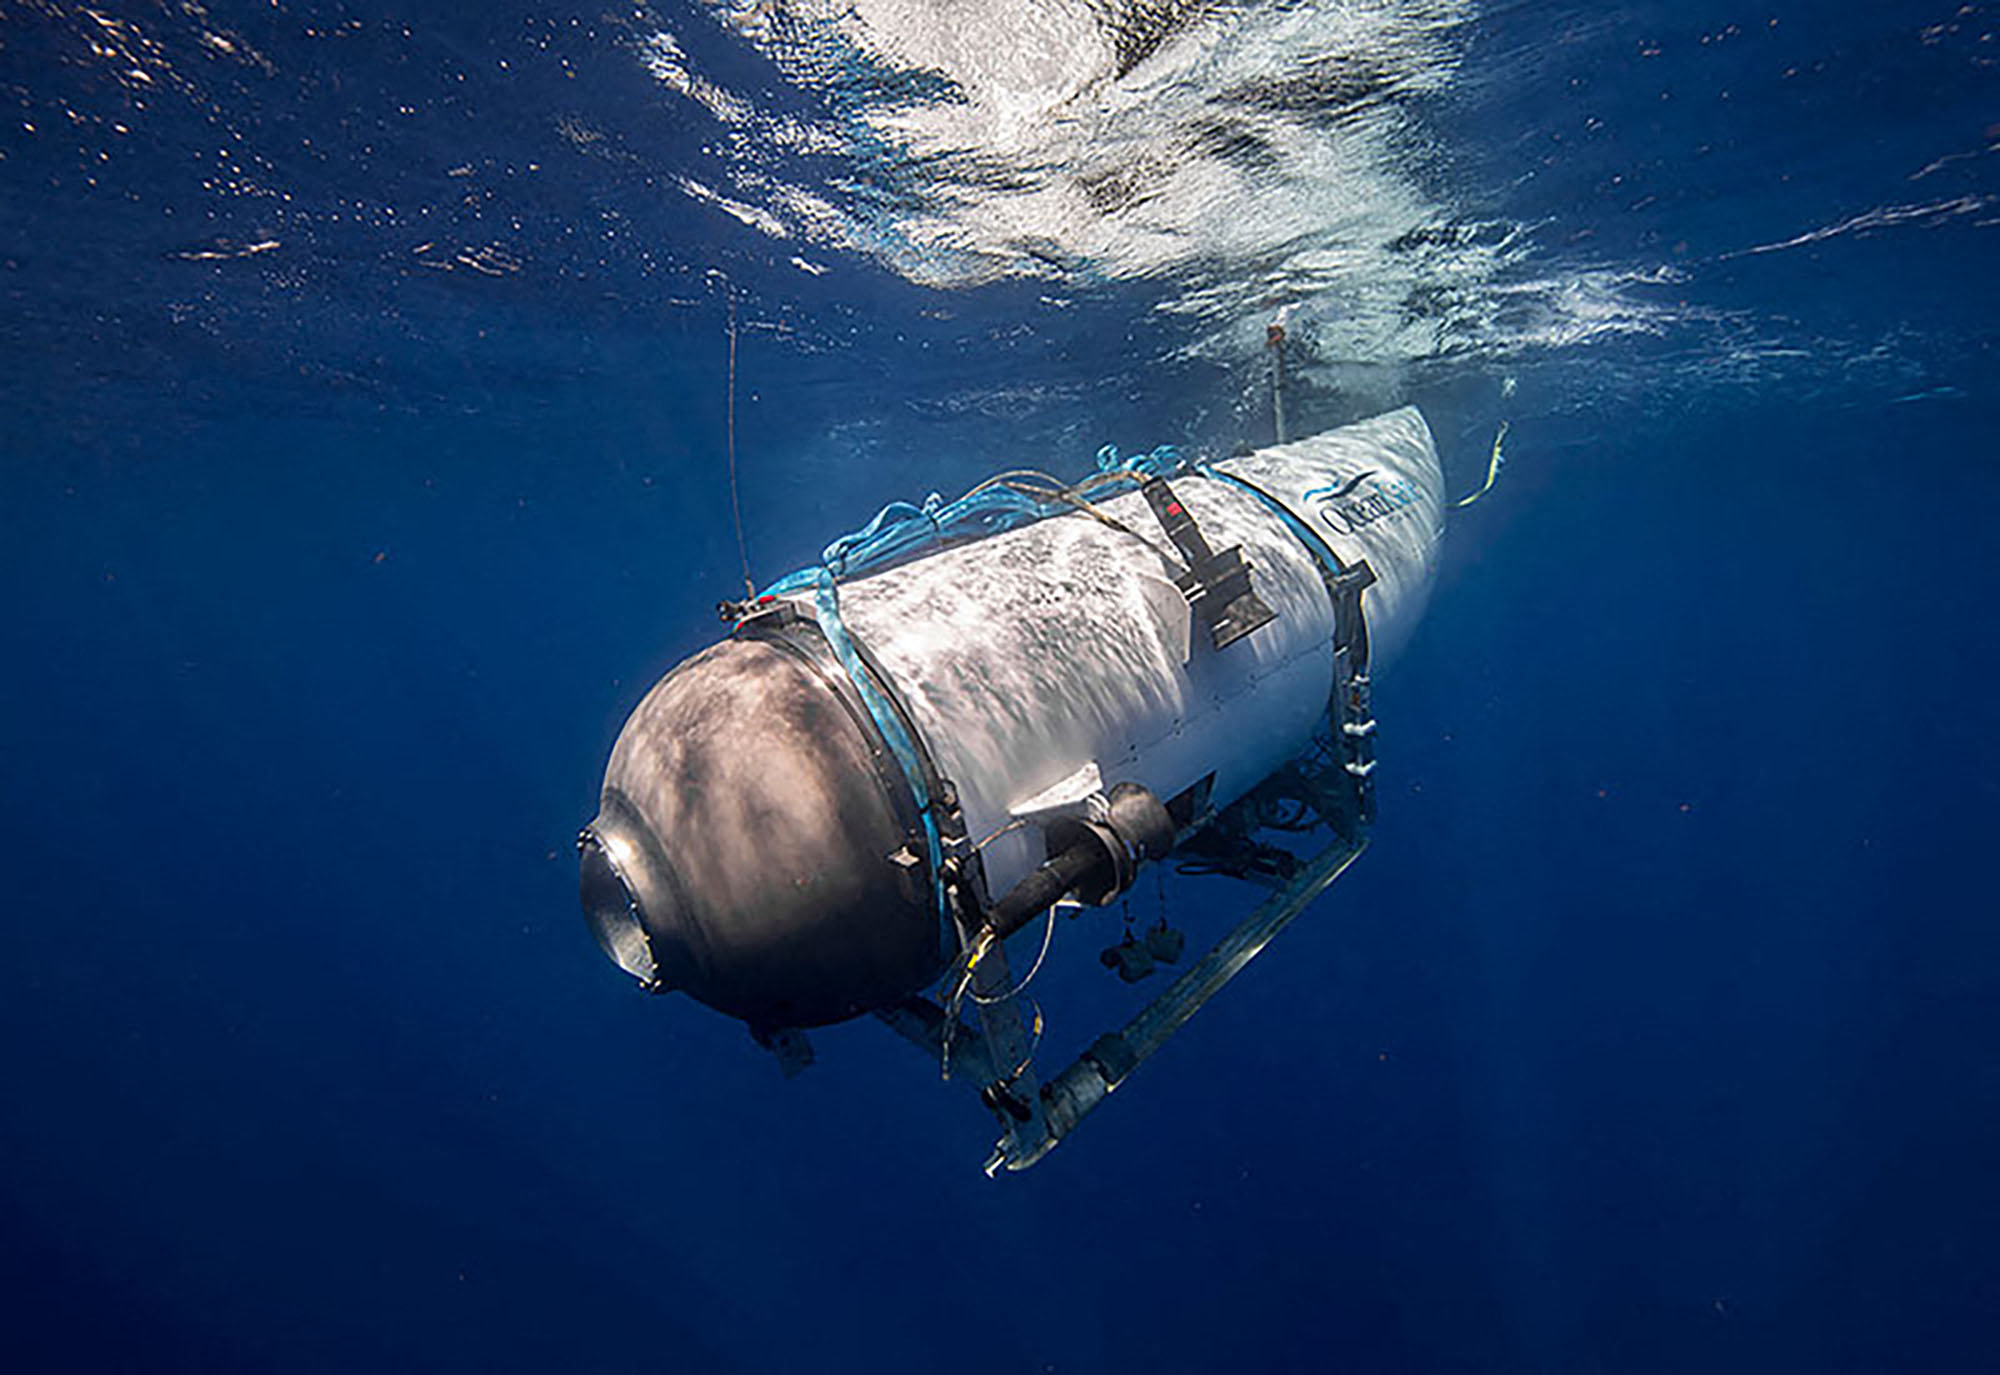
x=1217 y=586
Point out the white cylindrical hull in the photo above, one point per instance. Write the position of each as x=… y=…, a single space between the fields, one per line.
x=1038 y=661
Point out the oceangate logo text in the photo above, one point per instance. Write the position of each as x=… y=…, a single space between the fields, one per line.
x=1348 y=507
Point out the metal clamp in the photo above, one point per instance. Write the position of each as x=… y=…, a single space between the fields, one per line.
x=1217 y=586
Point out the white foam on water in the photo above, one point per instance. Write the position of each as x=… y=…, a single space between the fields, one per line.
x=1228 y=151
x=1232 y=162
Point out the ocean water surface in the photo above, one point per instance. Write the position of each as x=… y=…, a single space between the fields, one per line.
x=367 y=428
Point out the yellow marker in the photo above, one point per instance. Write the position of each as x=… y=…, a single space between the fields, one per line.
x=1492 y=468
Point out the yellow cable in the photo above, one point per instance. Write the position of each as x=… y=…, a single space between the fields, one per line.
x=1492 y=468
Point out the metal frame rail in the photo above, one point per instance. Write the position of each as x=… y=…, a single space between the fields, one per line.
x=1110 y=1060
x=1072 y=1094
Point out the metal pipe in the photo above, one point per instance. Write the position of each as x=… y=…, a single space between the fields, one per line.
x=1274 y=339
x=1073 y=1093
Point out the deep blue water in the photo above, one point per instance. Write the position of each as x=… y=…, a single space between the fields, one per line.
x=365 y=461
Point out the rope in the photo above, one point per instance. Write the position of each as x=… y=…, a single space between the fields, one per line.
x=1005 y=501
x=1048 y=939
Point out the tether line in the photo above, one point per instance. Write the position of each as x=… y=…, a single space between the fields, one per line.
x=735 y=502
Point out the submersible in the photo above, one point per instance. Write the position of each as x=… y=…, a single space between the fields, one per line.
x=971 y=712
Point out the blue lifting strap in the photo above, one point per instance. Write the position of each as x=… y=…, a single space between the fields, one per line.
x=1330 y=565
x=826 y=608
